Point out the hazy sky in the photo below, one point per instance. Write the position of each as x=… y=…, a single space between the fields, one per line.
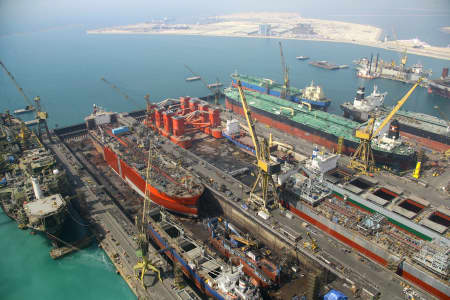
x=28 y=15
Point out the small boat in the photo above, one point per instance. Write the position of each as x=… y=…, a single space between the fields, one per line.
x=216 y=84
x=27 y=108
x=302 y=57
x=193 y=78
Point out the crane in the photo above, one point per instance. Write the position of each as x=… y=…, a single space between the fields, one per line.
x=266 y=168
x=242 y=240
x=144 y=264
x=363 y=159
x=27 y=100
x=41 y=116
x=284 y=68
x=313 y=244
x=215 y=91
x=115 y=87
x=403 y=55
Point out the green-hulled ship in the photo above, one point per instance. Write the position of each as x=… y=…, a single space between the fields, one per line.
x=34 y=190
x=321 y=128
x=312 y=94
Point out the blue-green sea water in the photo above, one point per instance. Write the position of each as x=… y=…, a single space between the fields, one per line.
x=64 y=67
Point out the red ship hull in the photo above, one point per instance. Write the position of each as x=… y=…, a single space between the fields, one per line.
x=181 y=205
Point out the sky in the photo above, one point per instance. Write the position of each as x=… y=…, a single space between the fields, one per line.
x=33 y=15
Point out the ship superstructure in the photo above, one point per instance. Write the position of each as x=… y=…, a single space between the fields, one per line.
x=124 y=143
x=33 y=187
x=441 y=86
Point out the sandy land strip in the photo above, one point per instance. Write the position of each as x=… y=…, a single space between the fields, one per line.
x=283 y=26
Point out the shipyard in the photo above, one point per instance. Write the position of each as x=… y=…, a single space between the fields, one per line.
x=230 y=180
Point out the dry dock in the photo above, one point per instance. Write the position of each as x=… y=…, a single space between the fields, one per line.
x=115 y=232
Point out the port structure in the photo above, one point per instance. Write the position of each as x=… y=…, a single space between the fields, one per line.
x=214 y=88
x=266 y=168
x=284 y=68
x=144 y=263
x=362 y=159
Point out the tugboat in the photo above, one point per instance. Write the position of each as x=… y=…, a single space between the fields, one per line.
x=314 y=95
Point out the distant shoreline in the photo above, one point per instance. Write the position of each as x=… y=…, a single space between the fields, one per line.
x=379 y=44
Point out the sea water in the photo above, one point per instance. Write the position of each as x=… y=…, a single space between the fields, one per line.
x=64 y=67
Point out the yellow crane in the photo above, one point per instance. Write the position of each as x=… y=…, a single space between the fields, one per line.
x=27 y=100
x=416 y=173
x=363 y=160
x=266 y=168
x=312 y=244
x=144 y=264
x=285 y=89
x=242 y=240
x=41 y=116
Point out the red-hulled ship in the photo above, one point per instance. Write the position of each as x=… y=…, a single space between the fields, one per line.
x=126 y=152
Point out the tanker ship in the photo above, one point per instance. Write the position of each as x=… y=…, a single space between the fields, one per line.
x=426 y=129
x=33 y=187
x=321 y=127
x=126 y=152
x=312 y=94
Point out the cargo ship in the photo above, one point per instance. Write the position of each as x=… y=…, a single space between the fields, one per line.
x=426 y=129
x=233 y=244
x=126 y=152
x=390 y=226
x=321 y=127
x=210 y=274
x=33 y=187
x=312 y=94
x=441 y=86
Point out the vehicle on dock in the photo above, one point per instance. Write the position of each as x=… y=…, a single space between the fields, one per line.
x=242 y=250
x=33 y=186
x=211 y=275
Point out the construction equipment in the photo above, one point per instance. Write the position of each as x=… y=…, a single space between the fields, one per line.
x=416 y=173
x=41 y=116
x=215 y=90
x=266 y=168
x=403 y=55
x=144 y=264
x=284 y=68
x=242 y=240
x=340 y=144
x=363 y=160
x=27 y=100
x=312 y=244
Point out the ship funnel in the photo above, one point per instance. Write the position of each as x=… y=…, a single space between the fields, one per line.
x=36 y=188
x=394 y=130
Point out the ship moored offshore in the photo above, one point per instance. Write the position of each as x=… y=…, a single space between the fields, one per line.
x=312 y=94
x=126 y=152
x=321 y=127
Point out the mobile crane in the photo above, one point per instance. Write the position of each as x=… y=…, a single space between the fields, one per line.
x=266 y=168
x=363 y=160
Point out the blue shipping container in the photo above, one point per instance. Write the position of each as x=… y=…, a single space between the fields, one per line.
x=120 y=130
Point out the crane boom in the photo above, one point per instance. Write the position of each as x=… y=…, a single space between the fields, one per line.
x=250 y=122
x=397 y=107
x=17 y=85
x=213 y=90
x=115 y=87
x=284 y=69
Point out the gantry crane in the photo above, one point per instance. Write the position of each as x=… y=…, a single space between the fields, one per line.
x=266 y=168
x=284 y=68
x=144 y=263
x=215 y=91
x=27 y=100
x=363 y=160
